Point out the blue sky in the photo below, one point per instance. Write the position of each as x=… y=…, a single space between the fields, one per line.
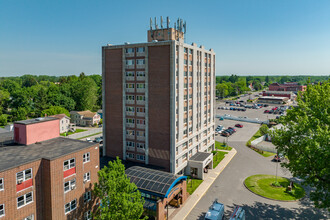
x=256 y=37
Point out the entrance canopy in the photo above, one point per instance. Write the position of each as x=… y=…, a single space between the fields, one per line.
x=198 y=162
x=154 y=181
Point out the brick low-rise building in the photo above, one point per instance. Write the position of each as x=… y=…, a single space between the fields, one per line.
x=288 y=86
x=46 y=177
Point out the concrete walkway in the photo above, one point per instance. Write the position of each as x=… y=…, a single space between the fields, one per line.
x=183 y=212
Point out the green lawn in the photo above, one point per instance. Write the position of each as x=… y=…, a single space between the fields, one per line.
x=267 y=154
x=192 y=184
x=262 y=185
x=217 y=158
x=258 y=134
x=69 y=132
x=221 y=146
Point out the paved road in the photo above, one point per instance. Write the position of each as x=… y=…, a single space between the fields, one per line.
x=228 y=188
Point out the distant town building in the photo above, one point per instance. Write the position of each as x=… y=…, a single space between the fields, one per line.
x=288 y=94
x=100 y=112
x=158 y=100
x=273 y=100
x=65 y=124
x=44 y=176
x=288 y=86
x=85 y=118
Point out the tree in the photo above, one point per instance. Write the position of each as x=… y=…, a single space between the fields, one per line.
x=54 y=110
x=267 y=79
x=119 y=198
x=3 y=119
x=305 y=139
x=85 y=94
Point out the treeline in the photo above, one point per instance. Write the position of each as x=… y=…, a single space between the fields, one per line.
x=32 y=96
x=235 y=85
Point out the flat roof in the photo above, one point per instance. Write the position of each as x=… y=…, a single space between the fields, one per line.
x=200 y=156
x=151 y=180
x=35 y=120
x=273 y=97
x=15 y=155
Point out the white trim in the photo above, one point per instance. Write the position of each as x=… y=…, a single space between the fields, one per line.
x=69 y=164
x=24 y=199
x=24 y=175
x=85 y=177
x=70 y=206
x=70 y=185
x=87 y=157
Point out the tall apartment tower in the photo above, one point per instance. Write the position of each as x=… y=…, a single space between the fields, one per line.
x=158 y=99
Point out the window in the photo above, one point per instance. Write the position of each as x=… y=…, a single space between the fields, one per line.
x=87 y=177
x=130 y=132
x=25 y=199
x=130 y=97
x=1 y=184
x=2 y=210
x=140 y=133
x=87 y=196
x=130 y=109
x=140 y=157
x=130 y=155
x=70 y=206
x=86 y=157
x=69 y=185
x=87 y=215
x=190 y=51
x=30 y=217
x=140 y=121
x=140 y=109
x=186 y=50
x=140 y=74
x=130 y=120
x=140 y=85
x=68 y=164
x=140 y=97
x=140 y=61
x=185 y=73
x=129 y=50
x=130 y=74
x=140 y=49
x=185 y=62
x=129 y=85
x=129 y=62
x=23 y=176
x=130 y=144
x=140 y=145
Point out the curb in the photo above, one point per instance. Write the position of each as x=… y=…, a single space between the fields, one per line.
x=270 y=198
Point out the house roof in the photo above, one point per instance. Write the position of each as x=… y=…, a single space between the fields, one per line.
x=15 y=155
x=87 y=114
x=60 y=116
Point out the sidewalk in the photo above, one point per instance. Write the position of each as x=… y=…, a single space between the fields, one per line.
x=193 y=199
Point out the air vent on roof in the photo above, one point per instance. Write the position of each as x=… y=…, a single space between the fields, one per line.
x=40 y=119
x=127 y=43
x=38 y=142
x=155 y=41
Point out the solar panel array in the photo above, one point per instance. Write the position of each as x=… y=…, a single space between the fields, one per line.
x=151 y=180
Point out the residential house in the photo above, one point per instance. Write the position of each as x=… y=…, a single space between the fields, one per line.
x=65 y=124
x=85 y=118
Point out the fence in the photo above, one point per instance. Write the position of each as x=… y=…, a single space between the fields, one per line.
x=85 y=133
x=251 y=120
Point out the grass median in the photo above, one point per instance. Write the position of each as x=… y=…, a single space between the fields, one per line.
x=218 y=157
x=221 y=146
x=70 y=132
x=192 y=184
x=263 y=185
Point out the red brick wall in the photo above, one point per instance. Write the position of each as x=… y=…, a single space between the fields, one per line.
x=48 y=188
x=159 y=105
x=113 y=102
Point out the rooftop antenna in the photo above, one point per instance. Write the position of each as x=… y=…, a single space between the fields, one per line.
x=178 y=24
x=150 y=23
x=174 y=26
x=168 y=22
x=181 y=25
x=161 y=22
x=184 y=27
x=156 y=26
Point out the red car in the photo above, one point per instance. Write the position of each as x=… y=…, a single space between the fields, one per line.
x=232 y=129
x=266 y=111
x=239 y=125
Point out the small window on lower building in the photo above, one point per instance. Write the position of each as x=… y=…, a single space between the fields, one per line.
x=70 y=206
x=30 y=217
x=1 y=184
x=25 y=199
x=87 y=196
x=2 y=210
x=87 y=177
x=140 y=157
x=87 y=215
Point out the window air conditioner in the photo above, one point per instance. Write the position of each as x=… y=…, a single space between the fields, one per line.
x=19 y=181
x=73 y=186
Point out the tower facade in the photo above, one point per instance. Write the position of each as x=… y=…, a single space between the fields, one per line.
x=158 y=100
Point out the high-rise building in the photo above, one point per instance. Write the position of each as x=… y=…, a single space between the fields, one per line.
x=158 y=100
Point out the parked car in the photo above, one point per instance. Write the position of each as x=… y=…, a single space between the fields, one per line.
x=225 y=133
x=215 y=212
x=98 y=140
x=221 y=118
x=266 y=111
x=238 y=214
x=88 y=140
x=265 y=105
x=232 y=129
x=239 y=125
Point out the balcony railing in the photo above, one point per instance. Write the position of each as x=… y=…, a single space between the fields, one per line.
x=140 y=138
x=130 y=90
x=128 y=136
x=129 y=54
x=140 y=78
x=140 y=54
x=130 y=113
x=130 y=102
x=140 y=102
x=130 y=125
x=130 y=78
x=140 y=66
x=141 y=90
x=130 y=66
x=141 y=126
x=140 y=114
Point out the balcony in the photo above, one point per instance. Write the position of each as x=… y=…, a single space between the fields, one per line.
x=129 y=66
x=130 y=148
x=130 y=78
x=140 y=114
x=141 y=90
x=128 y=136
x=140 y=102
x=131 y=102
x=140 y=66
x=130 y=113
x=142 y=150
x=140 y=54
x=141 y=126
x=140 y=78
x=130 y=90
x=130 y=125
x=129 y=54
x=140 y=138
